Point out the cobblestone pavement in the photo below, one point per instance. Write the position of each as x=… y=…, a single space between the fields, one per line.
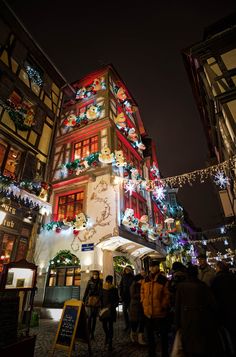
x=122 y=346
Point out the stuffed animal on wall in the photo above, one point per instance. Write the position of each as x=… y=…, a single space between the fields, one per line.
x=141 y=147
x=121 y=94
x=120 y=160
x=92 y=112
x=106 y=156
x=129 y=220
x=143 y=223
x=80 y=94
x=70 y=120
x=99 y=84
x=132 y=135
x=120 y=120
x=80 y=221
x=134 y=174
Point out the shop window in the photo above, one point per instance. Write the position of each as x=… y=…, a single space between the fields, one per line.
x=9 y=159
x=70 y=205
x=137 y=203
x=6 y=247
x=86 y=147
x=64 y=276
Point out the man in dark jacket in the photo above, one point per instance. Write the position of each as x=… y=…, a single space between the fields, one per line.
x=125 y=284
x=224 y=290
x=110 y=300
x=205 y=272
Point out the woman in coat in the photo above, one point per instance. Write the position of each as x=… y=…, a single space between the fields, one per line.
x=136 y=311
x=110 y=300
x=92 y=300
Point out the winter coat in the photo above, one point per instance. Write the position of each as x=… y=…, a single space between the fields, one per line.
x=110 y=298
x=93 y=288
x=195 y=315
x=206 y=275
x=224 y=290
x=177 y=278
x=155 y=296
x=136 y=307
x=125 y=284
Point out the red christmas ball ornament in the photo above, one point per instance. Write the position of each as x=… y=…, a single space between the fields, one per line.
x=139 y=231
x=58 y=230
x=75 y=232
x=95 y=164
x=133 y=229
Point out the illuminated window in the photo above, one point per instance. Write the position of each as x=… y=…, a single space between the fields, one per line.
x=63 y=276
x=9 y=159
x=6 y=247
x=70 y=205
x=86 y=147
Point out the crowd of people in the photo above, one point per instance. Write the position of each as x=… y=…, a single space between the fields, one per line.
x=191 y=312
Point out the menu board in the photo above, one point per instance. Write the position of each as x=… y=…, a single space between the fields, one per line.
x=67 y=326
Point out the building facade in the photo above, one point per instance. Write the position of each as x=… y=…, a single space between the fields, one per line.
x=106 y=194
x=211 y=66
x=30 y=101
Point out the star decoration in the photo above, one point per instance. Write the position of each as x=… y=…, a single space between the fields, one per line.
x=159 y=193
x=221 y=180
x=130 y=187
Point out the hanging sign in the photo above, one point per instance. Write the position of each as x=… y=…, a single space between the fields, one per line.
x=87 y=247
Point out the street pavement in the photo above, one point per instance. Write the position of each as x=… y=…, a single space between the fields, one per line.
x=122 y=346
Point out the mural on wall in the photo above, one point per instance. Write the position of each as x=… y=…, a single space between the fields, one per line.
x=101 y=219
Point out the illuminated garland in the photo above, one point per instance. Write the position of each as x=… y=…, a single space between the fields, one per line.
x=78 y=223
x=64 y=258
x=93 y=112
x=34 y=75
x=21 y=115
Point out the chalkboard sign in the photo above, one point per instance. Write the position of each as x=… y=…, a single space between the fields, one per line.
x=67 y=327
x=73 y=325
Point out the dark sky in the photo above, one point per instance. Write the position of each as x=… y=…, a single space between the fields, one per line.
x=144 y=44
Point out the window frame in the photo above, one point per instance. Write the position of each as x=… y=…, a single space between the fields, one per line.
x=67 y=194
x=65 y=275
x=135 y=201
x=96 y=143
x=8 y=149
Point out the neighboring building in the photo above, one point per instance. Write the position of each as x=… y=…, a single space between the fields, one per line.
x=30 y=101
x=211 y=66
x=103 y=171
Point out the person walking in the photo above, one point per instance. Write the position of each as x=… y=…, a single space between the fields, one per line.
x=136 y=311
x=224 y=290
x=196 y=317
x=109 y=302
x=155 y=298
x=205 y=272
x=92 y=300
x=125 y=284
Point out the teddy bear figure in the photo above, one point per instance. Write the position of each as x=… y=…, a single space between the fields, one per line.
x=120 y=160
x=70 y=120
x=98 y=84
x=80 y=94
x=134 y=174
x=129 y=220
x=143 y=223
x=141 y=147
x=92 y=112
x=120 y=120
x=106 y=156
x=121 y=94
x=132 y=135
x=80 y=221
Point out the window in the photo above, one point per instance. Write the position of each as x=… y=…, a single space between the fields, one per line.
x=9 y=159
x=158 y=218
x=64 y=276
x=137 y=203
x=6 y=247
x=129 y=156
x=70 y=205
x=86 y=147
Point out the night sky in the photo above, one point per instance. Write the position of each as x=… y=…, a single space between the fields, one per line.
x=144 y=44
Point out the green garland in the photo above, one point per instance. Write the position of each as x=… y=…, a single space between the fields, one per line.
x=64 y=258
x=120 y=262
x=79 y=163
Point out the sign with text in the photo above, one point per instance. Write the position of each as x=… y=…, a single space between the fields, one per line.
x=87 y=247
x=73 y=318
